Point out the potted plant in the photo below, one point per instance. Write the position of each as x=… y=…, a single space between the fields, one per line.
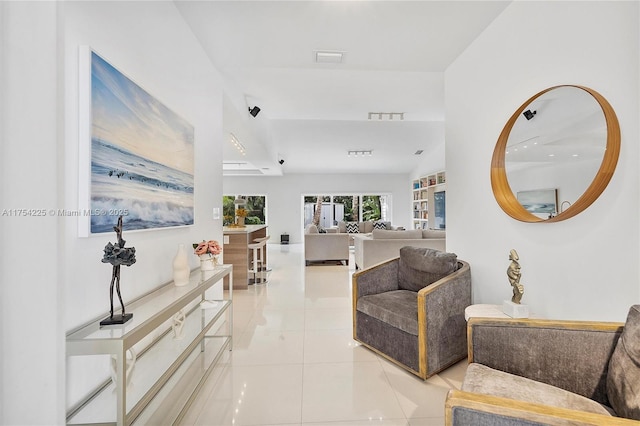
x=241 y=213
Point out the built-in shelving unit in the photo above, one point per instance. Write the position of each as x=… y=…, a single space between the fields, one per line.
x=174 y=362
x=424 y=200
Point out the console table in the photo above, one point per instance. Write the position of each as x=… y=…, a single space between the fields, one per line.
x=169 y=370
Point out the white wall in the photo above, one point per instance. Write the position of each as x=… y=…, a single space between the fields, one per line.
x=66 y=284
x=432 y=160
x=32 y=346
x=582 y=268
x=284 y=206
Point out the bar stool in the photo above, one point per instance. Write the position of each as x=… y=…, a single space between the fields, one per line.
x=263 y=262
x=255 y=264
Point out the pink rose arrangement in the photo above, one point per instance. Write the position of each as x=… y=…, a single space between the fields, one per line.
x=207 y=247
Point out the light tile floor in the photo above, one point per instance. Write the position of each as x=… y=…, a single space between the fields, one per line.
x=294 y=361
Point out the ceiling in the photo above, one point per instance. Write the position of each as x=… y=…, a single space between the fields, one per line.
x=394 y=54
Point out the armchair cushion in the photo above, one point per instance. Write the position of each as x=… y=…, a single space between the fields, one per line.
x=623 y=378
x=397 y=308
x=420 y=266
x=488 y=381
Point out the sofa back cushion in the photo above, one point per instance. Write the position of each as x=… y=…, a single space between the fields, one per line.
x=311 y=229
x=366 y=227
x=434 y=233
x=420 y=266
x=623 y=377
x=383 y=234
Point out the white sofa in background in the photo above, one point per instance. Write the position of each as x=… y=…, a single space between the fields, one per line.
x=381 y=245
x=326 y=246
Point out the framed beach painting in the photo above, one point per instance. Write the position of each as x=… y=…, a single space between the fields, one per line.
x=539 y=201
x=139 y=152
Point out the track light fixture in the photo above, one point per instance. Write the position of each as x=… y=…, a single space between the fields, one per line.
x=254 y=111
x=528 y=114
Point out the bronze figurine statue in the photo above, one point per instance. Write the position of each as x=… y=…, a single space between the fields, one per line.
x=118 y=255
x=513 y=272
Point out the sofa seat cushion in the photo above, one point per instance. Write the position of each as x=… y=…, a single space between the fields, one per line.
x=623 y=376
x=421 y=266
x=398 y=308
x=488 y=381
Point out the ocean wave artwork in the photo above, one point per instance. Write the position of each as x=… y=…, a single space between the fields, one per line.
x=141 y=156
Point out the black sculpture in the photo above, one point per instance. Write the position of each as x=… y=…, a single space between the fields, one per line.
x=118 y=255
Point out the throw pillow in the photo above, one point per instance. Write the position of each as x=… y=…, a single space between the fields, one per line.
x=352 y=228
x=379 y=225
x=321 y=229
x=312 y=229
x=623 y=377
x=420 y=266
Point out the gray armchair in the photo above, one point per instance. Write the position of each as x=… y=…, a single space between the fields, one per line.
x=411 y=309
x=539 y=372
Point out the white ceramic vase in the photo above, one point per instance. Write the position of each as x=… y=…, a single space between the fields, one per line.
x=206 y=262
x=181 y=267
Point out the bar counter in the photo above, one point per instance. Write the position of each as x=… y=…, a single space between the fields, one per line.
x=237 y=253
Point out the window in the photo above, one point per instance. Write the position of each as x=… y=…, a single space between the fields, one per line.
x=256 y=206
x=348 y=208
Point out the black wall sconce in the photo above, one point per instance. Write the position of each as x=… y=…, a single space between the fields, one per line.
x=254 y=111
x=528 y=114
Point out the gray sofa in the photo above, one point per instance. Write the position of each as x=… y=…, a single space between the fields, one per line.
x=411 y=309
x=546 y=372
x=382 y=245
x=330 y=246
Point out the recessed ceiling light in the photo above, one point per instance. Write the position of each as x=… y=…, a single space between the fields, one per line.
x=386 y=116
x=329 y=57
x=360 y=153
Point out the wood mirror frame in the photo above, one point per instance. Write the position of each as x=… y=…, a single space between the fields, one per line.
x=500 y=185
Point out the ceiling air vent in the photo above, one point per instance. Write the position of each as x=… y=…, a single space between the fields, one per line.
x=329 y=57
x=418 y=152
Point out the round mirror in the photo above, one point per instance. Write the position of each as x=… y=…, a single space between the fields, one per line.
x=555 y=155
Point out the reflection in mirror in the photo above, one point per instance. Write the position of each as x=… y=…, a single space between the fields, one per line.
x=564 y=140
x=558 y=145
